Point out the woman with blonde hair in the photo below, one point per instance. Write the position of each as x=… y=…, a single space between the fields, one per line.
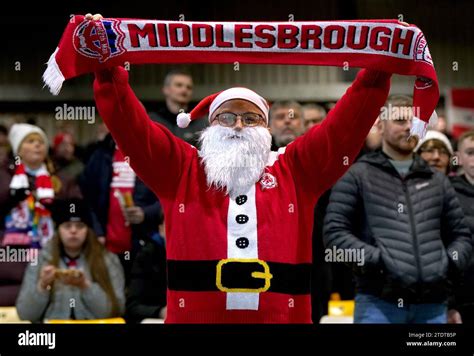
x=28 y=221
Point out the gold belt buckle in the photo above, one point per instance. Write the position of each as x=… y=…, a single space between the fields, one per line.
x=266 y=275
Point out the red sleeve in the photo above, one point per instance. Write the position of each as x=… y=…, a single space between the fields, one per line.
x=155 y=154
x=322 y=155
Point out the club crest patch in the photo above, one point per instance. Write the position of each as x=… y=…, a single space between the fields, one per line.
x=268 y=181
x=99 y=39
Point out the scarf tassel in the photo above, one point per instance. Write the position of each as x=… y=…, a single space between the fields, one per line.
x=19 y=181
x=419 y=127
x=52 y=76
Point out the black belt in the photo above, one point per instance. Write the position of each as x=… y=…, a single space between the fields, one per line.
x=239 y=275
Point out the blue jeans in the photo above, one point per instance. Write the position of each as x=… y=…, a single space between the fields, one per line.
x=370 y=309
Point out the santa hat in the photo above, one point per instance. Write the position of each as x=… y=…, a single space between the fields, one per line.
x=435 y=135
x=18 y=133
x=212 y=102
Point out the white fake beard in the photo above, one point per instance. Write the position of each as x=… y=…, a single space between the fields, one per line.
x=234 y=160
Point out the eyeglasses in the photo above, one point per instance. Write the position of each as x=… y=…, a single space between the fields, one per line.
x=432 y=150
x=248 y=119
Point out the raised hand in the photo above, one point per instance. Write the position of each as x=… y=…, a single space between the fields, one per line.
x=94 y=17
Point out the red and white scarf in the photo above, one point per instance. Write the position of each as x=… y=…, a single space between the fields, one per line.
x=30 y=223
x=385 y=45
x=43 y=184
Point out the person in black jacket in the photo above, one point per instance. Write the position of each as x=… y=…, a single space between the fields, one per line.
x=399 y=224
x=178 y=91
x=96 y=184
x=462 y=308
x=146 y=297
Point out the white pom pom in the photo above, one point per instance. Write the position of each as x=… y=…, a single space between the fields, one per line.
x=183 y=120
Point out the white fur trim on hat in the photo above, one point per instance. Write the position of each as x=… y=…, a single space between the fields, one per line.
x=435 y=135
x=240 y=93
x=18 y=132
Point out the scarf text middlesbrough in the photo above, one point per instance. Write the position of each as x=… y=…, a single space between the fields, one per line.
x=384 y=45
x=375 y=38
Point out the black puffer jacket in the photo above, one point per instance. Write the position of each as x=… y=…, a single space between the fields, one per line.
x=465 y=192
x=411 y=230
x=465 y=290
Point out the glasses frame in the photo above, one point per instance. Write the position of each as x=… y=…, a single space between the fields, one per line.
x=241 y=115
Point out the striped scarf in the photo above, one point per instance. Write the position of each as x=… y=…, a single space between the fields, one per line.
x=384 y=45
x=29 y=222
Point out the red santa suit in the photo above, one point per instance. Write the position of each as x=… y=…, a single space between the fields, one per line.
x=242 y=260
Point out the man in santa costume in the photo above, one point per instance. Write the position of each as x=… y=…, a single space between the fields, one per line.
x=238 y=216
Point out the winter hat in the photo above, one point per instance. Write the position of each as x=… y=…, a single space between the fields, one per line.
x=18 y=133
x=435 y=135
x=64 y=210
x=212 y=102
